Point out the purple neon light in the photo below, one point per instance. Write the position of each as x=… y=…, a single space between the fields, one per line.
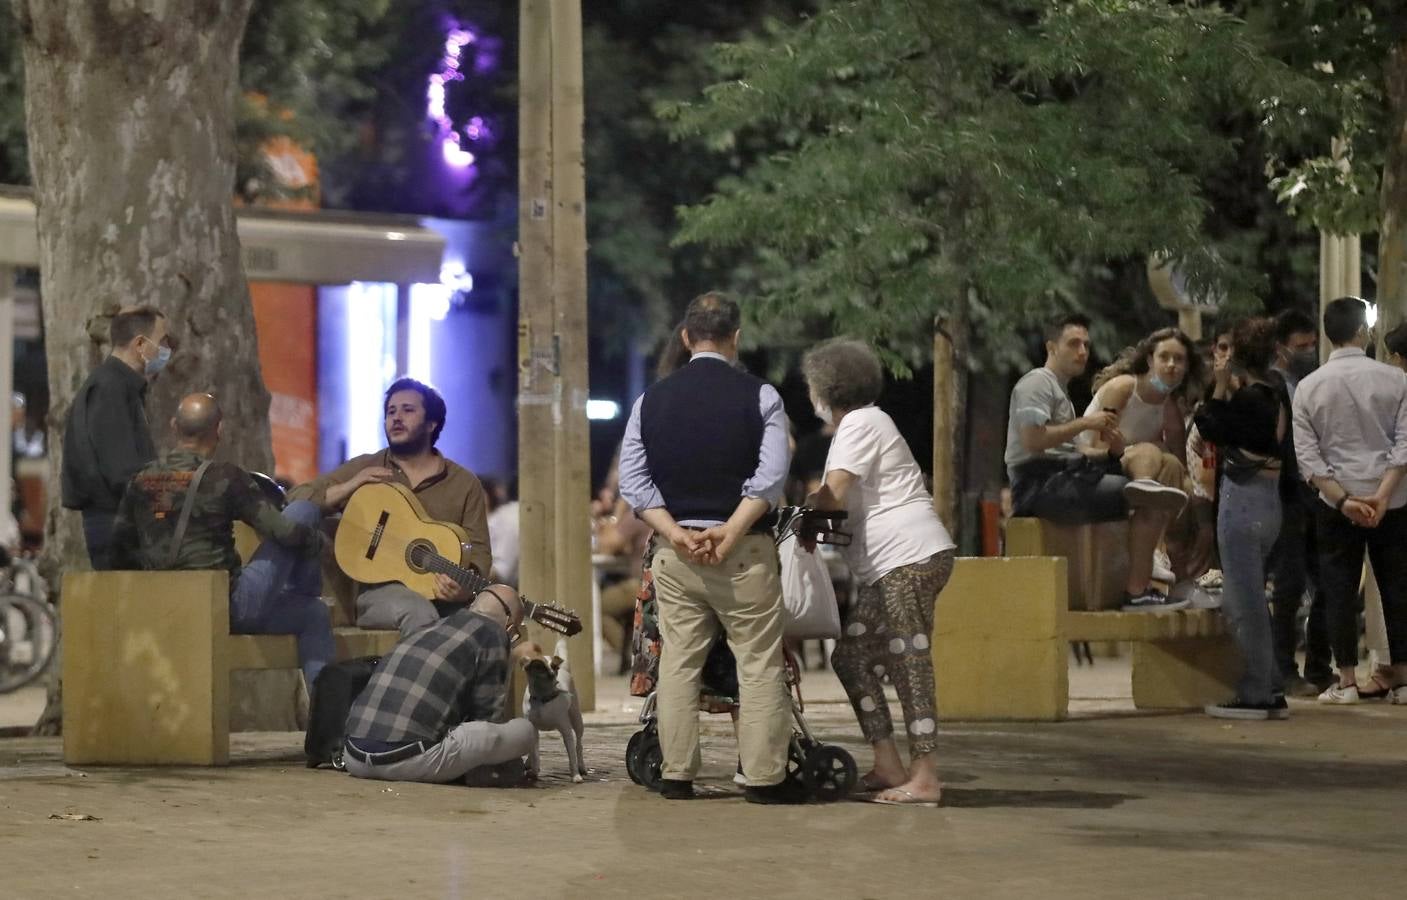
x=451 y=145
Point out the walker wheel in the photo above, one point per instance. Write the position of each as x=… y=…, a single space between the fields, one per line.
x=651 y=764
x=632 y=756
x=830 y=773
x=797 y=753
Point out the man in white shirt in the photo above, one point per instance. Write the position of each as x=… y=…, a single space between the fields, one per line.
x=1052 y=478
x=1350 y=422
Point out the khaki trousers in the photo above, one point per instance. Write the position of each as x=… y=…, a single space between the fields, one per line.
x=744 y=595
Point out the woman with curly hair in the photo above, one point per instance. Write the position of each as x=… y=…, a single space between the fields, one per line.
x=1248 y=418
x=900 y=555
x=1146 y=388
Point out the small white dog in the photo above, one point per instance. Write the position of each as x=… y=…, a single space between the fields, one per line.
x=550 y=703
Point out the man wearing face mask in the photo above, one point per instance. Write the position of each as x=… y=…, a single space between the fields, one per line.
x=106 y=437
x=1294 y=563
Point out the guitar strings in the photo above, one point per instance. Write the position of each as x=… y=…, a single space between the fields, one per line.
x=477 y=582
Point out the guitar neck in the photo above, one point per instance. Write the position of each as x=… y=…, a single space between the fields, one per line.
x=473 y=581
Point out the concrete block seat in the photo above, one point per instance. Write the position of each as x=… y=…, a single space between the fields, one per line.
x=147 y=660
x=1003 y=629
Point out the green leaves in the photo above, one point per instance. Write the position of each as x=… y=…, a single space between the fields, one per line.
x=926 y=156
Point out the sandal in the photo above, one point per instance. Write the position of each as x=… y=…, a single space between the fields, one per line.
x=912 y=800
x=871 y=783
x=1379 y=691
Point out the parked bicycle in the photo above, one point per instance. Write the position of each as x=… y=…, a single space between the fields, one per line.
x=28 y=627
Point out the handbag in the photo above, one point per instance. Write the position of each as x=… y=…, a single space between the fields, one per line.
x=809 y=607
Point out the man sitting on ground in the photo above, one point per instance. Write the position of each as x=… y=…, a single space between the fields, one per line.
x=179 y=511
x=1053 y=479
x=430 y=712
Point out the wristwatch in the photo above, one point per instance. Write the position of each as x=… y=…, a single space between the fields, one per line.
x=1342 y=500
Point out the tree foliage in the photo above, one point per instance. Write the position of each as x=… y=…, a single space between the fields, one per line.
x=1346 y=44
x=311 y=61
x=639 y=53
x=975 y=158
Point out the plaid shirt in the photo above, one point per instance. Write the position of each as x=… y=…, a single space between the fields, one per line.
x=453 y=672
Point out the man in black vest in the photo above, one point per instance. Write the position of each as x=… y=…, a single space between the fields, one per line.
x=703 y=460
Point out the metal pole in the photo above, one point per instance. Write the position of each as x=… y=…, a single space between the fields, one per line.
x=7 y=378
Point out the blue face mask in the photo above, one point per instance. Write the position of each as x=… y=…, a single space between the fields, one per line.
x=158 y=362
x=1160 y=385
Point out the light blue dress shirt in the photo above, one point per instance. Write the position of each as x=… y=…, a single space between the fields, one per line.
x=768 y=482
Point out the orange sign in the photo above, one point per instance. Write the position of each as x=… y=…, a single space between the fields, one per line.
x=286 y=318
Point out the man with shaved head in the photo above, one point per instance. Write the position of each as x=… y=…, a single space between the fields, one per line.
x=179 y=511
x=432 y=708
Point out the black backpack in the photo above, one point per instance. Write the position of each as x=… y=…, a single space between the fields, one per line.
x=334 y=691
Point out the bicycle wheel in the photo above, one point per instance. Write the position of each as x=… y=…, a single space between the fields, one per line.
x=28 y=632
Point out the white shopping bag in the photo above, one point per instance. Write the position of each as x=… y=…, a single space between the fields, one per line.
x=809 y=608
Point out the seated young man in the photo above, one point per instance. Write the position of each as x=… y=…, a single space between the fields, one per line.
x=1052 y=478
x=279 y=591
x=414 y=419
x=431 y=710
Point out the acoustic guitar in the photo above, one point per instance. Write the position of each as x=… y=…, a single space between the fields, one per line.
x=385 y=535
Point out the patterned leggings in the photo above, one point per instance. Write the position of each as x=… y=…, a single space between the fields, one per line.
x=887 y=630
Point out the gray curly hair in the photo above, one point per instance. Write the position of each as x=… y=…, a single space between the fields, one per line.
x=843 y=373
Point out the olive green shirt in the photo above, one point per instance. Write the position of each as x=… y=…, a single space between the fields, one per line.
x=151 y=507
x=453 y=495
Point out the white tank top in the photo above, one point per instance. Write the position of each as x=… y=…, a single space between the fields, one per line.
x=1141 y=422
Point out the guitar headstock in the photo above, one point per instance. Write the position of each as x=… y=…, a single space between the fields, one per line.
x=553 y=617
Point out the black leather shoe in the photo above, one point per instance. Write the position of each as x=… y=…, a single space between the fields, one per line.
x=676 y=790
x=784 y=793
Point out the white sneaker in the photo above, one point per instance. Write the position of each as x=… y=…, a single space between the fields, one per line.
x=1210 y=580
x=1162 y=568
x=1145 y=493
x=1196 y=597
x=1341 y=696
x=1398 y=695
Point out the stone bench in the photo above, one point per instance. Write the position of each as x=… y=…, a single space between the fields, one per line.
x=1098 y=556
x=1003 y=630
x=147 y=661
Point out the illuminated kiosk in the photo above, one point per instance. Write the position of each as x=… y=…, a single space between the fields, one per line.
x=288 y=257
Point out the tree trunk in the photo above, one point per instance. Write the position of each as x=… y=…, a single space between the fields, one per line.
x=950 y=414
x=1392 y=236
x=130 y=116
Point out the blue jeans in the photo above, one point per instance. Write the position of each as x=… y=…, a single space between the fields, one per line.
x=279 y=592
x=1247 y=525
x=97 y=534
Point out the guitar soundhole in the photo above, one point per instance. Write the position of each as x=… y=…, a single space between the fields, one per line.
x=418 y=555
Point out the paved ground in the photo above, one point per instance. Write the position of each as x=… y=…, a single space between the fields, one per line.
x=1111 y=804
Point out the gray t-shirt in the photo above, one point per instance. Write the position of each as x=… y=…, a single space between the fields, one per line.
x=1038 y=399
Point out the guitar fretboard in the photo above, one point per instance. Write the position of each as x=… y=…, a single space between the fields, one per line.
x=467 y=578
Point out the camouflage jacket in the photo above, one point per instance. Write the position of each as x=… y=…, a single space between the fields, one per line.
x=151 y=507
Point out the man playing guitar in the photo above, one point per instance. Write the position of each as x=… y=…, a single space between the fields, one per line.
x=415 y=418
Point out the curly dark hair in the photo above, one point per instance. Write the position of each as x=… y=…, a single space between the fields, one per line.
x=1253 y=344
x=435 y=409
x=1135 y=360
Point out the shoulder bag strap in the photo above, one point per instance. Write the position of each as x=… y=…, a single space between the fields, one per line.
x=185 y=519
